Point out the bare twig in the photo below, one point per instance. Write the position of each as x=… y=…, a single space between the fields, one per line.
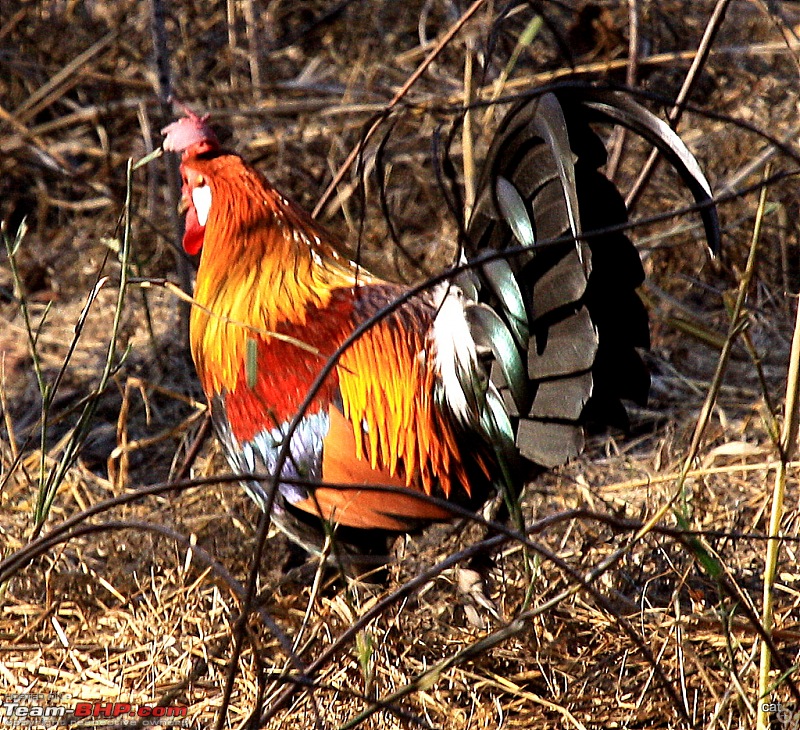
x=674 y=114
x=164 y=90
x=788 y=447
x=429 y=59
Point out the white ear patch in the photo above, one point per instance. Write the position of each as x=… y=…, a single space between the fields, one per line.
x=201 y=197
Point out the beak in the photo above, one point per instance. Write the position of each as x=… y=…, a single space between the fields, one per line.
x=183 y=205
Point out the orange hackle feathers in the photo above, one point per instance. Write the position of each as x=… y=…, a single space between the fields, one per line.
x=388 y=381
x=257 y=272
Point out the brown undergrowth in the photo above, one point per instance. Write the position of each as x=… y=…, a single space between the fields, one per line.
x=595 y=625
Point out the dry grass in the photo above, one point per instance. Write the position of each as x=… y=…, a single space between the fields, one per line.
x=138 y=607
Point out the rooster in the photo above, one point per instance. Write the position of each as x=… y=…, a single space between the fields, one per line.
x=449 y=391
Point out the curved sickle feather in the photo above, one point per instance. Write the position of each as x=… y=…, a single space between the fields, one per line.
x=512 y=206
x=606 y=105
x=550 y=123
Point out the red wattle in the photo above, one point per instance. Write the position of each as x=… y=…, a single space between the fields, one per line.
x=193 y=235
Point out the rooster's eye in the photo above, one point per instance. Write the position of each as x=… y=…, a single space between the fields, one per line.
x=201 y=197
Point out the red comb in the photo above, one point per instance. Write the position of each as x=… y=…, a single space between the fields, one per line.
x=187 y=132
